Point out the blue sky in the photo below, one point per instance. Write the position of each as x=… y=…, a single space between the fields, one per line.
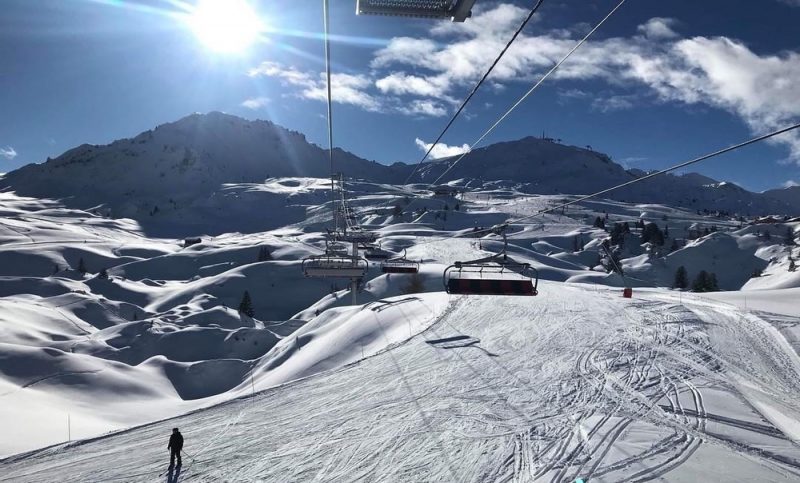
x=659 y=83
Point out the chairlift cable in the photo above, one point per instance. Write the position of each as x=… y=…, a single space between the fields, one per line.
x=475 y=89
x=663 y=171
x=531 y=90
x=627 y=183
x=524 y=96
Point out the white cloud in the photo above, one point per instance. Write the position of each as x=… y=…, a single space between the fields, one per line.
x=8 y=152
x=256 y=103
x=791 y=183
x=398 y=83
x=658 y=28
x=345 y=88
x=423 y=107
x=421 y=76
x=441 y=150
x=760 y=89
x=614 y=103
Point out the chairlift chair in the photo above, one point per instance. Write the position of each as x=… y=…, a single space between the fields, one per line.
x=400 y=265
x=492 y=276
x=358 y=236
x=376 y=253
x=334 y=266
x=336 y=248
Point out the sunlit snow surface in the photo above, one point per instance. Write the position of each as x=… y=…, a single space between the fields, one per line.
x=575 y=383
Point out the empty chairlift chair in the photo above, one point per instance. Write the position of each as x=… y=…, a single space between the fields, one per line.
x=334 y=266
x=377 y=253
x=491 y=278
x=399 y=265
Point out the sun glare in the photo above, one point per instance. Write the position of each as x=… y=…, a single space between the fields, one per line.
x=225 y=26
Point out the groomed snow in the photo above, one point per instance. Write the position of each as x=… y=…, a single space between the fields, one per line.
x=577 y=382
x=574 y=383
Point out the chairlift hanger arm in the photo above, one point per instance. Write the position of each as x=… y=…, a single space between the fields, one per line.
x=457 y=10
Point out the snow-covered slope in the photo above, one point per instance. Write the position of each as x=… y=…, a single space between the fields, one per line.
x=184 y=165
x=571 y=384
x=161 y=335
x=543 y=166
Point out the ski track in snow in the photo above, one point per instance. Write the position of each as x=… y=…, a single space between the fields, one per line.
x=584 y=384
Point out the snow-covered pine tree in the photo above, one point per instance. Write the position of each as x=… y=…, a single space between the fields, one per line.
x=246 y=305
x=82 y=266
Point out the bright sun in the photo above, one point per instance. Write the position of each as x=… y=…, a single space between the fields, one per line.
x=225 y=26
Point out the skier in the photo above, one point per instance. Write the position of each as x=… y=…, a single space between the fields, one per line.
x=175 y=445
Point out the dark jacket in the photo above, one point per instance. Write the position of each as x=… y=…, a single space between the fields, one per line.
x=175 y=442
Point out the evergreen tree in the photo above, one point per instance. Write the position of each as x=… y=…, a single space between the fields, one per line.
x=792 y=265
x=103 y=275
x=397 y=210
x=666 y=231
x=616 y=234
x=82 y=266
x=652 y=233
x=674 y=245
x=701 y=282
x=246 y=305
x=757 y=272
x=789 y=236
x=599 y=223
x=713 y=286
x=457 y=207
x=575 y=244
x=681 y=278
x=263 y=254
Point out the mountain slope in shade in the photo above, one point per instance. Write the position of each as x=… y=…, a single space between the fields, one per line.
x=179 y=162
x=790 y=195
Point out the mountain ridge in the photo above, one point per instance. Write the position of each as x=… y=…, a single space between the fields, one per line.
x=196 y=155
